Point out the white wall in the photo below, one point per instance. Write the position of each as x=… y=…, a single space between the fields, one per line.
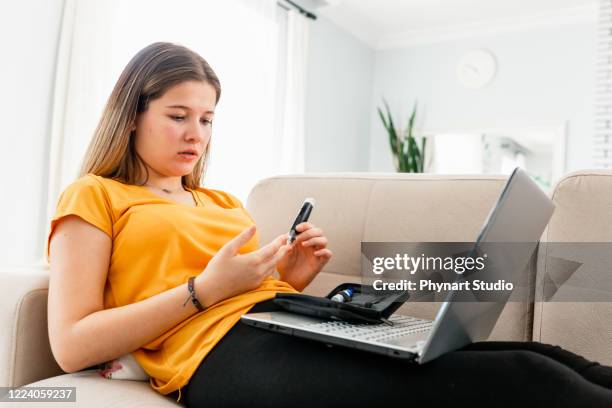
x=338 y=100
x=545 y=76
x=29 y=36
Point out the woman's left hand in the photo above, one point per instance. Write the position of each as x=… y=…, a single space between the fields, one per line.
x=306 y=257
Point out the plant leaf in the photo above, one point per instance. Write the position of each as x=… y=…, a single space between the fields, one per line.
x=405 y=161
x=382 y=119
x=413 y=156
x=416 y=156
x=391 y=124
x=423 y=144
x=388 y=123
x=411 y=120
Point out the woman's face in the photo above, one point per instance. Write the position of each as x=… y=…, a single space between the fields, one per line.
x=178 y=122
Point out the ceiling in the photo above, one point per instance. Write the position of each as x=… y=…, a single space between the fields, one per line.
x=389 y=23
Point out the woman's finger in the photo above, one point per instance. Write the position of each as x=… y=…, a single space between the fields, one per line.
x=316 y=241
x=266 y=252
x=303 y=226
x=311 y=233
x=324 y=253
x=273 y=260
x=233 y=246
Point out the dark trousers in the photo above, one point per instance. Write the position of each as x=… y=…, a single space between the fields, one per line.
x=257 y=368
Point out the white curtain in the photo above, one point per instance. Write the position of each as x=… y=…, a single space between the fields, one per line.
x=602 y=135
x=81 y=86
x=291 y=120
x=252 y=138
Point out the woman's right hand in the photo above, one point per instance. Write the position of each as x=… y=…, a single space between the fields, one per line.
x=229 y=273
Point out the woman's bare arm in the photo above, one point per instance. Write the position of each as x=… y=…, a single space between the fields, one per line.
x=81 y=332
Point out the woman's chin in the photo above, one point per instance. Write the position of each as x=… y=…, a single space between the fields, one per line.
x=181 y=170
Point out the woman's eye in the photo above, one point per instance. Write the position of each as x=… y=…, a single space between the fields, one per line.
x=177 y=118
x=206 y=122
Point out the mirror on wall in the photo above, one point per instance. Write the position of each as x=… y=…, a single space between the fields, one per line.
x=540 y=151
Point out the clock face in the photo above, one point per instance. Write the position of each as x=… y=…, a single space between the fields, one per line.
x=476 y=69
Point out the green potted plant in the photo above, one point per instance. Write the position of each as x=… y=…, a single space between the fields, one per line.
x=407 y=155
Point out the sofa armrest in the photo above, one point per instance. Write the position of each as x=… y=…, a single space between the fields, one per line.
x=24 y=340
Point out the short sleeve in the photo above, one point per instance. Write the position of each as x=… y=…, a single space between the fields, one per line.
x=87 y=199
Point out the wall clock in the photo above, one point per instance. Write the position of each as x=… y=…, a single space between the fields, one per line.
x=476 y=69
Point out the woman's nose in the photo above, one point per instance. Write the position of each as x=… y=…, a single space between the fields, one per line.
x=196 y=132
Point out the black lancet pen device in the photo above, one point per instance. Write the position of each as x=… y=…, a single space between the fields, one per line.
x=301 y=217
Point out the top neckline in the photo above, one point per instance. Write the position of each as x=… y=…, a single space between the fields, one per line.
x=196 y=198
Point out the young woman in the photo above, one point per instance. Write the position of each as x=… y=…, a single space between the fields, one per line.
x=145 y=261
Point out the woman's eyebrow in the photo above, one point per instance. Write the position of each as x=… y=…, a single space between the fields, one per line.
x=185 y=107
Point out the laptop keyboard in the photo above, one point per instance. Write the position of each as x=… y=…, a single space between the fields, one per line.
x=402 y=326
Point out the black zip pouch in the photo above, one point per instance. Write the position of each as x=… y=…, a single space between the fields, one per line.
x=366 y=305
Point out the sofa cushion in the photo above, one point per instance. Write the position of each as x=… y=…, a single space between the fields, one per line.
x=583 y=213
x=93 y=390
x=356 y=207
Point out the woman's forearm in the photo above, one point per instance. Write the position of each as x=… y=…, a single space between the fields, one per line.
x=108 y=334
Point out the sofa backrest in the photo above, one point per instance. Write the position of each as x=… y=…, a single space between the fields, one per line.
x=357 y=207
x=583 y=214
x=24 y=341
x=351 y=208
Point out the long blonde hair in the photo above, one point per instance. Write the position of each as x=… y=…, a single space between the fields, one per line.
x=146 y=77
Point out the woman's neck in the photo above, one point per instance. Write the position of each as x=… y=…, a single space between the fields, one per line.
x=166 y=184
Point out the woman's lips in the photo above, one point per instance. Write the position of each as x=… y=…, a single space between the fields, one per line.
x=188 y=156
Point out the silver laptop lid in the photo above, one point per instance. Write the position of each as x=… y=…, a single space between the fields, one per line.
x=519 y=216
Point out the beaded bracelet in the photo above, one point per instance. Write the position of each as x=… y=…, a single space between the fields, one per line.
x=192 y=295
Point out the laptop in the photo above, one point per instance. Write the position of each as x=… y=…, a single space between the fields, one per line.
x=520 y=216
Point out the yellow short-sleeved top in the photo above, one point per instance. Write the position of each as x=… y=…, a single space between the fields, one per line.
x=157 y=245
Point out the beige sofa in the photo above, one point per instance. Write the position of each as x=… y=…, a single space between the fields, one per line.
x=350 y=208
